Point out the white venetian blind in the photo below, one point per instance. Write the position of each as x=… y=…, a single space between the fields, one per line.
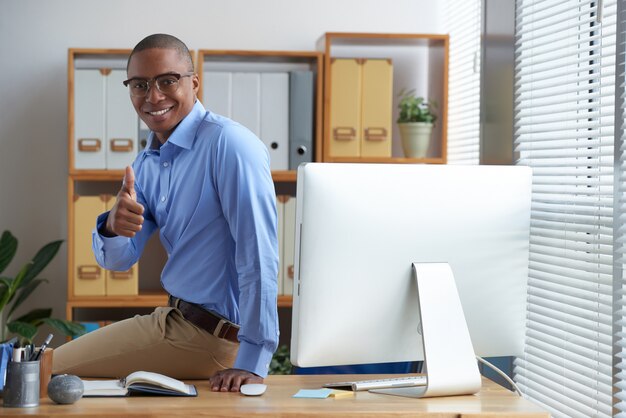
x=564 y=114
x=464 y=27
x=619 y=336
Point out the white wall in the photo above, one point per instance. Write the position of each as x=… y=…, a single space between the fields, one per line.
x=36 y=34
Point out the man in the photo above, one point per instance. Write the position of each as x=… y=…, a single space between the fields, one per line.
x=203 y=181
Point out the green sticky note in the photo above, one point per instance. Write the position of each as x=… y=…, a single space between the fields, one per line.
x=313 y=393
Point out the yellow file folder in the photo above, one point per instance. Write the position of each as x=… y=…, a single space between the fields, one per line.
x=121 y=282
x=361 y=107
x=289 y=244
x=376 y=107
x=280 y=211
x=345 y=107
x=88 y=275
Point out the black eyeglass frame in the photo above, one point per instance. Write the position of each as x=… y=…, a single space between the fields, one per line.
x=152 y=80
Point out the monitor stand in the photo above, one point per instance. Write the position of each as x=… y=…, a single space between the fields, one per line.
x=449 y=358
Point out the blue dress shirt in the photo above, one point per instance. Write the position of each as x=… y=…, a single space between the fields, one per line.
x=210 y=191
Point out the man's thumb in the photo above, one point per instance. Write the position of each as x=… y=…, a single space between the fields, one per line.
x=129 y=182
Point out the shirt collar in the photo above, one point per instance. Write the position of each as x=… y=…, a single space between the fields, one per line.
x=185 y=133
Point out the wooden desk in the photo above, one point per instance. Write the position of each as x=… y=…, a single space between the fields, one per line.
x=492 y=401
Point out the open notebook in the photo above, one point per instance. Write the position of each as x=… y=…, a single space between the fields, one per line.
x=139 y=383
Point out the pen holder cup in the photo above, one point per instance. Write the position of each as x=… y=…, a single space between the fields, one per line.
x=45 y=372
x=22 y=384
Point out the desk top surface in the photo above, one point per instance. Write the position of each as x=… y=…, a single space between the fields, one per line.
x=492 y=401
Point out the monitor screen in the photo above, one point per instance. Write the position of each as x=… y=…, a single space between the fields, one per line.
x=359 y=228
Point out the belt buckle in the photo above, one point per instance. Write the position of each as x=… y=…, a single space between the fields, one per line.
x=218 y=329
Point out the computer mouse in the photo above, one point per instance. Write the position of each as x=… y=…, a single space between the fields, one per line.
x=253 y=389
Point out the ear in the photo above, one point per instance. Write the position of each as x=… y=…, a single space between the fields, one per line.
x=195 y=83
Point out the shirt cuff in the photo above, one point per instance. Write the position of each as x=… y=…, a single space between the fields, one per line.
x=101 y=241
x=253 y=358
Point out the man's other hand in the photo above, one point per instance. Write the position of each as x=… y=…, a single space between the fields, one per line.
x=230 y=380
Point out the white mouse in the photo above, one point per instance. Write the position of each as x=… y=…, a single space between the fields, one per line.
x=253 y=389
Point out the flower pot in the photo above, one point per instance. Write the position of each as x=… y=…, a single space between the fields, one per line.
x=415 y=138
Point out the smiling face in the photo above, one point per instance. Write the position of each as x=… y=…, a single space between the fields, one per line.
x=161 y=112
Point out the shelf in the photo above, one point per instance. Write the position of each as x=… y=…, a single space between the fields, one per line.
x=118 y=175
x=285 y=301
x=383 y=39
x=391 y=160
x=97 y=175
x=284 y=176
x=143 y=300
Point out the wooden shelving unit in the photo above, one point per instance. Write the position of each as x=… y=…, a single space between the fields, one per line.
x=429 y=76
x=107 y=181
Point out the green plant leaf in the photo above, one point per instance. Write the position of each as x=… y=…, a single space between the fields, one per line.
x=41 y=260
x=415 y=109
x=5 y=286
x=8 y=248
x=13 y=285
x=35 y=316
x=72 y=329
x=15 y=291
x=280 y=363
x=24 y=293
x=23 y=329
x=17 y=282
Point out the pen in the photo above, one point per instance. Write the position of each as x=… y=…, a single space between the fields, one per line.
x=43 y=347
x=28 y=352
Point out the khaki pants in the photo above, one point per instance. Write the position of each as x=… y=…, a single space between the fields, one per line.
x=162 y=342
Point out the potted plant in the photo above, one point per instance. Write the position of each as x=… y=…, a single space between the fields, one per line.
x=416 y=120
x=14 y=291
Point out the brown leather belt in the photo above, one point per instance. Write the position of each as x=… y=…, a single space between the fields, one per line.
x=200 y=317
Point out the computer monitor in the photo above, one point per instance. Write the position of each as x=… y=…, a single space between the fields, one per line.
x=359 y=228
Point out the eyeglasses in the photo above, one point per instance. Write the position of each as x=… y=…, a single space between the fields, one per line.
x=165 y=83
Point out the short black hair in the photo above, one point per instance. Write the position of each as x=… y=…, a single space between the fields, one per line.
x=163 y=41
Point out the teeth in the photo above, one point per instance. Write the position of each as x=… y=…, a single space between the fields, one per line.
x=160 y=112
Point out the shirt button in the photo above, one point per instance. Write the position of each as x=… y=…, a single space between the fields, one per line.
x=162 y=198
x=165 y=164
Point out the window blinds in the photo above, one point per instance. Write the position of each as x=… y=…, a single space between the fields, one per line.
x=564 y=121
x=464 y=27
x=619 y=286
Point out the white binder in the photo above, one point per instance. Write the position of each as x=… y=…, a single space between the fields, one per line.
x=275 y=118
x=217 y=92
x=246 y=93
x=121 y=123
x=89 y=125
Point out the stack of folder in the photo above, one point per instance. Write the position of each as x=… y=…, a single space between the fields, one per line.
x=276 y=106
x=360 y=107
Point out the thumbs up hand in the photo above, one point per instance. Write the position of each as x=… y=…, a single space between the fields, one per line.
x=128 y=186
x=126 y=216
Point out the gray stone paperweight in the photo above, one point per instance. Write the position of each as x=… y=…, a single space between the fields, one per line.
x=65 y=389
